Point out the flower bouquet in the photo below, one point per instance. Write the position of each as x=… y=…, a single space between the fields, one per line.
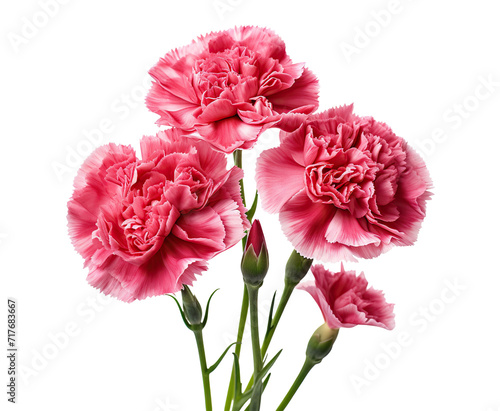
x=344 y=187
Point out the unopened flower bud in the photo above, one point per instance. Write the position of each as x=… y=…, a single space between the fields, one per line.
x=255 y=261
x=321 y=343
x=296 y=268
x=192 y=307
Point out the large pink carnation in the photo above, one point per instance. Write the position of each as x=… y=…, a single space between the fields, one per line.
x=345 y=186
x=346 y=301
x=146 y=227
x=230 y=86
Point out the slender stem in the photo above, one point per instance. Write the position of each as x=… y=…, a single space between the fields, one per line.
x=287 y=292
x=253 y=297
x=238 y=162
x=204 y=369
x=308 y=365
x=237 y=350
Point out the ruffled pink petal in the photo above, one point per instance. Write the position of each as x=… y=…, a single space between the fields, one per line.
x=345 y=229
x=351 y=316
x=174 y=81
x=173 y=110
x=229 y=134
x=341 y=114
x=231 y=190
x=305 y=223
x=153 y=278
x=278 y=178
x=263 y=40
x=181 y=198
x=330 y=318
x=290 y=122
x=188 y=277
x=213 y=163
x=180 y=61
x=107 y=284
x=303 y=93
x=217 y=110
x=81 y=225
x=346 y=301
x=417 y=181
x=243 y=92
x=202 y=228
x=235 y=225
x=91 y=192
x=371 y=250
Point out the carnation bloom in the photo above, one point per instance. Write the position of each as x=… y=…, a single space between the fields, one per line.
x=230 y=86
x=346 y=301
x=345 y=186
x=146 y=226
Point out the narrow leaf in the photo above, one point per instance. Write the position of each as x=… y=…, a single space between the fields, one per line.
x=206 y=310
x=267 y=367
x=182 y=312
x=264 y=384
x=251 y=212
x=271 y=313
x=237 y=379
x=216 y=364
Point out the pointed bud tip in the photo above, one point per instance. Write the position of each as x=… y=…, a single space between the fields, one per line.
x=191 y=305
x=256 y=237
x=255 y=260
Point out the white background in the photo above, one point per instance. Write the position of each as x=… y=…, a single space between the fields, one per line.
x=421 y=71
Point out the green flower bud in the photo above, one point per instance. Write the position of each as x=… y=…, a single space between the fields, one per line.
x=321 y=343
x=296 y=268
x=192 y=307
x=255 y=261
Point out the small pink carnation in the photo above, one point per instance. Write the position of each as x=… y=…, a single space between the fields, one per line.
x=147 y=226
x=344 y=186
x=346 y=301
x=230 y=86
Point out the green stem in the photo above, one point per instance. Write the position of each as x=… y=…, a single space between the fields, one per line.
x=238 y=162
x=287 y=292
x=237 y=350
x=204 y=369
x=253 y=296
x=308 y=365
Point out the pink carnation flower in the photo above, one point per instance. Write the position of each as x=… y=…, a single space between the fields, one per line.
x=146 y=227
x=230 y=86
x=345 y=186
x=346 y=301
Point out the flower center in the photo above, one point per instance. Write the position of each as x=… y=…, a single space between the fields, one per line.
x=222 y=71
x=344 y=180
x=331 y=185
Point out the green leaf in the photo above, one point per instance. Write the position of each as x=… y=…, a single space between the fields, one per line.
x=237 y=379
x=182 y=312
x=251 y=212
x=250 y=392
x=267 y=367
x=216 y=364
x=264 y=384
x=271 y=313
x=206 y=310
